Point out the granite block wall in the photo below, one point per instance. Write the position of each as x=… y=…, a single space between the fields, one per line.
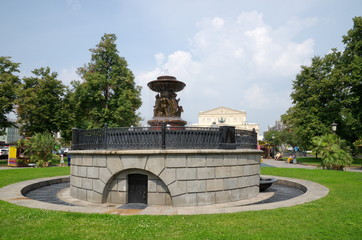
x=175 y=177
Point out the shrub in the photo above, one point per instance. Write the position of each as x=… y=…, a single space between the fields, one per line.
x=335 y=152
x=55 y=159
x=358 y=146
x=40 y=148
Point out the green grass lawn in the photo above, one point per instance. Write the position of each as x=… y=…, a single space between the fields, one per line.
x=317 y=161
x=336 y=216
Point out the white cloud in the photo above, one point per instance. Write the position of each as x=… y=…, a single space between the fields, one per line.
x=217 y=22
x=294 y=55
x=239 y=53
x=255 y=97
x=180 y=63
x=243 y=63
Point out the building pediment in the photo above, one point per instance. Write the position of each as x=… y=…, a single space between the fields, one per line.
x=221 y=111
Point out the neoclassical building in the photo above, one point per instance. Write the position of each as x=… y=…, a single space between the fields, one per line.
x=223 y=116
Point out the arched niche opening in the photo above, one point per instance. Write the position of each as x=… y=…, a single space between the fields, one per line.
x=137 y=185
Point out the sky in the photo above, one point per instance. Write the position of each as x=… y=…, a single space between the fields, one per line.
x=238 y=54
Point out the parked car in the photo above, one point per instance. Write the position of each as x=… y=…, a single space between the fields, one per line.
x=62 y=151
x=65 y=150
x=4 y=153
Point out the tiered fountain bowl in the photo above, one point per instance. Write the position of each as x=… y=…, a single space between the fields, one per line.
x=166 y=83
x=166 y=110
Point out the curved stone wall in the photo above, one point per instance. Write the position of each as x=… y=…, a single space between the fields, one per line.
x=175 y=177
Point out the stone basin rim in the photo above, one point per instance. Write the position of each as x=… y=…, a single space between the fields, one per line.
x=313 y=191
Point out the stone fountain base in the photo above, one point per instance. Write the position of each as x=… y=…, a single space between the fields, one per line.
x=179 y=178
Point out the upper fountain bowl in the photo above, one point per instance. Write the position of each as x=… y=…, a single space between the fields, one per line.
x=166 y=83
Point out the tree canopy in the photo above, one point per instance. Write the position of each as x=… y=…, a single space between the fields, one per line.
x=40 y=105
x=8 y=91
x=329 y=90
x=107 y=94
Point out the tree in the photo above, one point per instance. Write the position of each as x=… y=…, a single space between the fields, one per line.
x=334 y=151
x=108 y=94
x=329 y=90
x=351 y=81
x=281 y=139
x=315 y=98
x=8 y=91
x=40 y=103
x=68 y=116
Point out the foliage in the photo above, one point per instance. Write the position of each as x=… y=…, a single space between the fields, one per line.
x=40 y=104
x=315 y=102
x=56 y=159
x=9 y=84
x=22 y=143
x=357 y=147
x=329 y=90
x=271 y=136
x=333 y=151
x=40 y=148
x=339 y=214
x=108 y=94
x=67 y=119
x=358 y=142
x=281 y=139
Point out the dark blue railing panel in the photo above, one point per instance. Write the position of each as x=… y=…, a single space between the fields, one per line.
x=162 y=138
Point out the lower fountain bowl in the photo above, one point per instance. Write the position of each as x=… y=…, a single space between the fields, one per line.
x=173 y=123
x=265 y=183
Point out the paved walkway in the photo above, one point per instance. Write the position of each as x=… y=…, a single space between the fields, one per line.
x=284 y=164
x=6 y=167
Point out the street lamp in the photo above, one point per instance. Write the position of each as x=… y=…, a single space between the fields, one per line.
x=273 y=137
x=334 y=127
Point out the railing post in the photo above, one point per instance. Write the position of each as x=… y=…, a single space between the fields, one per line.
x=227 y=137
x=105 y=136
x=255 y=139
x=163 y=136
x=75 y=138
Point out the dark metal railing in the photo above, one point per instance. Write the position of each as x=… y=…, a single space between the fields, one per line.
x=163 y=137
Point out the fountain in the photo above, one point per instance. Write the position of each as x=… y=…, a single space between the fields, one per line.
x=167 y=109
x=158 y=165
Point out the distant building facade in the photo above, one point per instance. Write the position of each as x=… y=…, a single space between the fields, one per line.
x=223 y=116
x=11 y=136
x=279 y=126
